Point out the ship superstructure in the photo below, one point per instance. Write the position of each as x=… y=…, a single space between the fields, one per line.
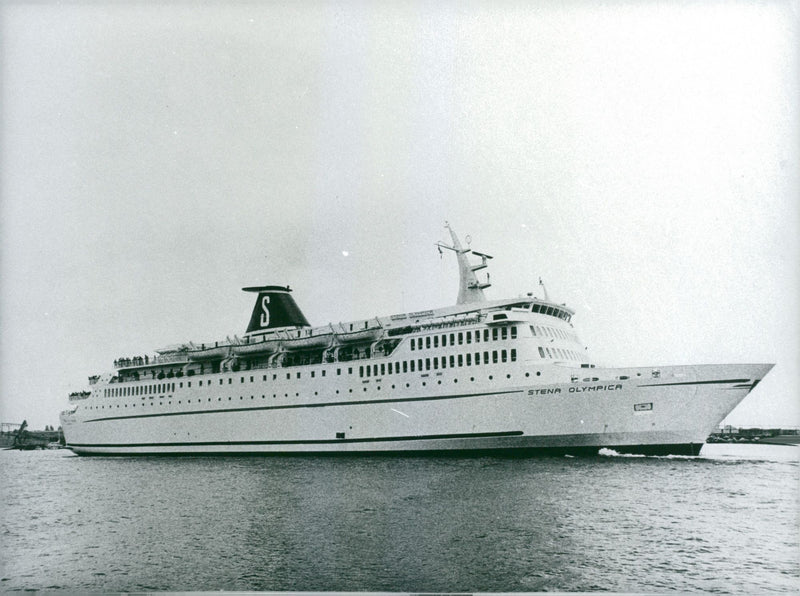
x=483 y=375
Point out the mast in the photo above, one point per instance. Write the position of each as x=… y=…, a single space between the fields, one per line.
x=470 y=289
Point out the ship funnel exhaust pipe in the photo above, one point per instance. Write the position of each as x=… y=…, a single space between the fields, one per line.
x=274 y=308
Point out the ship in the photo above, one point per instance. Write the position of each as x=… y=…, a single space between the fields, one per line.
x=503 y=376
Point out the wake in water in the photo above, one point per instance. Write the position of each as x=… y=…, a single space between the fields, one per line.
x=750 y=453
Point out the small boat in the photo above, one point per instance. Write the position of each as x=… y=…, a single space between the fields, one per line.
x=209 y=353
x=304 y=339
x=367 y=334
x=263 y=346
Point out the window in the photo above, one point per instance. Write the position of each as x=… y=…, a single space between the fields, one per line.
x=435 y=363
x=383 y=369
x=427 y=364
x=435 y=341
x=513 y=354
x=541 y=351
x=444 y=340
x=548 y=352
x=428 y=341
x=405 y=365
x=453 y=361
x=494 y=334
x=413 y=341
x=477 y=335
x=361 y=370
x=485 y=335
x=460 y=338
x=494 y=356
x=504 y=333
x=503 y=355
x=412 y=366
x=461 y=359
x=513 y=333
x=452 y=339
x=469 y=337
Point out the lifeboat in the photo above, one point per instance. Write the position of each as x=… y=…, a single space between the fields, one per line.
x=367 y=334
x=265 y=346
x=306 y=339
x=209 y=353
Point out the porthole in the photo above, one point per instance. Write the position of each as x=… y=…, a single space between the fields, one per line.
x=472 y=378
x=538 y=373
x=527 y=374
x=407 y=385
x=455 y=380
x=491 y=377
x=438 y=382
x=508 y=376
x=423 y=383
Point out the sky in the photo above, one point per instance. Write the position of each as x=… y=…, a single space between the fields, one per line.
x=640 y=157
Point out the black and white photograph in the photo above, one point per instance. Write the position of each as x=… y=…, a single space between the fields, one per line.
x=400 y=297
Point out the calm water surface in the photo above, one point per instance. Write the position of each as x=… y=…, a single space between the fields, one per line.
x=722 y=522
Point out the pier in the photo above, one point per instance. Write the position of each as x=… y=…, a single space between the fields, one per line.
x=17 y=436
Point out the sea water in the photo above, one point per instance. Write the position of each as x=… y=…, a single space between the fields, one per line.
x=726 y=521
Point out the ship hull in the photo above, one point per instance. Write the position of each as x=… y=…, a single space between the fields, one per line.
x=652 y=411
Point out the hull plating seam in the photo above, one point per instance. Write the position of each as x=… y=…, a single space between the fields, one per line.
x=698 y=383
x=511 y=433
x=314 y=405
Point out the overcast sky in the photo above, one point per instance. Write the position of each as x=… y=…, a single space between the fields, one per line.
x=641 y=157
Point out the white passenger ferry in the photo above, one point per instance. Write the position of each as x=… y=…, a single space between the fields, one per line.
x=502 y=376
